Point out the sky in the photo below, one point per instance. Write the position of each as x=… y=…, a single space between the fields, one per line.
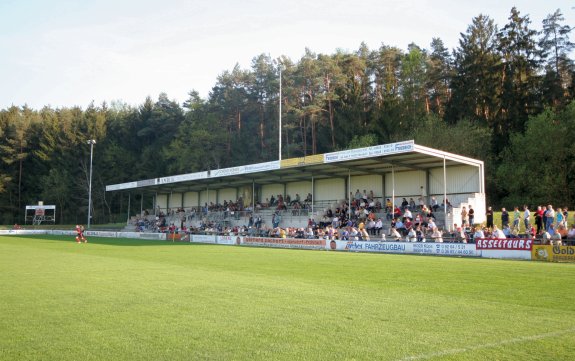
x=64 y=53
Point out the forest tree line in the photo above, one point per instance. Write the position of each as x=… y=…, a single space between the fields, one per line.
x=503 y=95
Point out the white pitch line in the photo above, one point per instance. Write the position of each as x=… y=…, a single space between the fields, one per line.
x=487 y=345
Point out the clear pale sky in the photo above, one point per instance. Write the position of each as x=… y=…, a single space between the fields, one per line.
x=67 y=52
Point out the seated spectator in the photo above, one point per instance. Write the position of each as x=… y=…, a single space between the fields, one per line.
x=562 y=231
x=400 y=226
x=296 y=200
x=407 y=214
x=394 y=234
x=556 y=239
x=353 y=234
x=364 y=235
x=296 y=209
x=497 y=233
x=378 y=226
x=412 y=235
x=571 y=233
x=388 y=205
x=437 y=235
x=507 y=231
x=420 y=233
x=431 y=224
x=370 y=226
x=404 y=204
x=477 y=233
x=546 y=238
x=434 y=204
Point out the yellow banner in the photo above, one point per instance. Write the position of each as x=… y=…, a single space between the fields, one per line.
x=553 y=253
x=295 y=162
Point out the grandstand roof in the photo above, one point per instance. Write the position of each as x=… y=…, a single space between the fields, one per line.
x=380 y=159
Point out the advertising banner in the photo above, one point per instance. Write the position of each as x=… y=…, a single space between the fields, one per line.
x=101 y=234
x=367 y=246
x=285 y=242
x=367 y=152
x=202 y=238
x=553 y=253
x=21 y=231
x=447 y=249
x=505 y=254
x=442 y=249
x=228 y=240
x=517 y=244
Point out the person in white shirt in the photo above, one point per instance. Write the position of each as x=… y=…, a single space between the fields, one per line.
x=478 y=234
x=526 y=216
x=437 y=235
x=378 y=226
x=394 y=234
x=412 y=235
x=497 y=233
x=408 y=214
x=431 y=224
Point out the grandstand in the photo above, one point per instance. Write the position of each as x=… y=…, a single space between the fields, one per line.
x=229 y=197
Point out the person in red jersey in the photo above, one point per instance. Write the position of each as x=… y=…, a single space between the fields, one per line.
x=80 y=234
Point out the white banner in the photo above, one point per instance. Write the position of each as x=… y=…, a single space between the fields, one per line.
x=202 y=238
x=368 y=152
x=507 y=254
x=229 y=240
x=183 y=177
x=101 y=234
x=443 y=249
x=21 y=231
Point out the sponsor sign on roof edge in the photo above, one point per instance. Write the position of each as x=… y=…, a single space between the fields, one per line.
x=367 y=152
x=183 y=177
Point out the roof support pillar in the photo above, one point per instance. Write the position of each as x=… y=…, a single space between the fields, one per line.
x=445 y=190
x=392 y=190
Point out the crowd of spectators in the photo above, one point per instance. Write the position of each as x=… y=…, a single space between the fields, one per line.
x=364 y=217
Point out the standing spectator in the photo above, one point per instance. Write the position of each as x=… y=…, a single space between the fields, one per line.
x=516 y=217
x=565 y=217
x=560 y=218
x=464 y=217
x=471 y=215
x=526 y=216
x=489 y=217
x=549 y=217
x=539 y=219
x=504 y=217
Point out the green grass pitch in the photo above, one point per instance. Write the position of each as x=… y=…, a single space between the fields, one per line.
x=117 y=299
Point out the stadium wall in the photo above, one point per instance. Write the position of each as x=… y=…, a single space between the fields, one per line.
x=485 y=248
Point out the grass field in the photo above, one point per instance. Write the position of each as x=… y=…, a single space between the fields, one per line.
x=147 y=300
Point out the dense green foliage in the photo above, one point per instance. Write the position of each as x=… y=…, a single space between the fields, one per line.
x=500 y=91
x=116 y=299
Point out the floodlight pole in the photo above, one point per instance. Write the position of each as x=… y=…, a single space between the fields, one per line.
x=91 y=142
x=280 y=115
